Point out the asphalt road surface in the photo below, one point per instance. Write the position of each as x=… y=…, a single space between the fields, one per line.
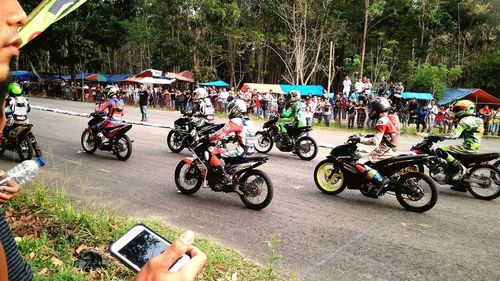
x=321 y=237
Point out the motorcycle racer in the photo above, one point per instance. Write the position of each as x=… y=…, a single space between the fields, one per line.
x=114 y=107
x=17 y=106
x=295 y=112
x=203 y=107
x=386 y=140
x=471 y=127
x=240 y=129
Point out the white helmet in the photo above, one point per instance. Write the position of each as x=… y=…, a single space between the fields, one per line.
x=236 y=108
x=200 y=94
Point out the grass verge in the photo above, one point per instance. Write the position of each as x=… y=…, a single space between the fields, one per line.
x=52 y=234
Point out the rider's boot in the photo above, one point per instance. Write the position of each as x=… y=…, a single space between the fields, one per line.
x=220 y=175
x=457 y=170
x=103 y=138
x=379 y=181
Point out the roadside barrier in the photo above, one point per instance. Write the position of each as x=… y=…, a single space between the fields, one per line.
x=140 y=123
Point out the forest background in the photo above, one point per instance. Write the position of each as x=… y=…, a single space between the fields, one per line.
x=427 y=44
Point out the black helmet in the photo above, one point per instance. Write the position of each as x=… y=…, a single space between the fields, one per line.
x=377 y=106
x=236 y=108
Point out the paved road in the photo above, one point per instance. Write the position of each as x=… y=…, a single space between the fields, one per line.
x=344 y=237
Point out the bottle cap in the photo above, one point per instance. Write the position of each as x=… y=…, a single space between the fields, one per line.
x=40 y=161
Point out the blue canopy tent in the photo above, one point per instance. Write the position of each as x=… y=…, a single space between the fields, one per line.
x=315 y=90
x=117 y=78
x=23 y=75
x=79 y=76
x=476 y=95
x=418 y=96
x=218 y=83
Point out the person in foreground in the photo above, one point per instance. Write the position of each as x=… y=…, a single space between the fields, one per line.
x=157 y=268
x=12 y=266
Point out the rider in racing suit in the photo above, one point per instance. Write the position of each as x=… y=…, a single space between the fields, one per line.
x=295 y=112
x=114 y=106
x=471 y=128
x=17 y=108
x=386 y=139
x=203 y=107
x=244 y=134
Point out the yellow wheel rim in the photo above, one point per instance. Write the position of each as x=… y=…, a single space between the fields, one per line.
x=326 y=182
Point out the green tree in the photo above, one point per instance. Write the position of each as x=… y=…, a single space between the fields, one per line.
x=434 y=79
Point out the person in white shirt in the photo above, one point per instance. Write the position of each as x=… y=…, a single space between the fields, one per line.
x=359 y=86
x=223 y=100
x=431 y=117
x=347 y=85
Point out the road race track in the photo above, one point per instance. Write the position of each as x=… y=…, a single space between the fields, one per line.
x=321 y=237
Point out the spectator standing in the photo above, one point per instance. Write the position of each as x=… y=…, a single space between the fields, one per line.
x=485 y=114
x=223 y=96
x=316 y=105
x=345 y=103
x=337 y=108
x=351 y=113
x=382 y=88
x=143 y=102
x=258 y=107
x=346 y=86
x=423 y=112
x=368 y=87
x=413 y=110
x=188 y=100
x=361 y=112
x=179 y=98
x=264 y=103
x=358 y=86
x=326 y=108
x=281 y=103
x=448 y=119
x=433 y=111
x=309 y=110
x=495 y=122
x=440 y=119
x=399 y=89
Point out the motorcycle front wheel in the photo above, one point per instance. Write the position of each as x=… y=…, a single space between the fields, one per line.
x=257 y=189
x=417 y=192
x=263 y=142
x=484 y=182
x=329 y=178
x=174 y=141
x=307 y=148
x=25 y=149
x=123 y=148
x=187 y=177
x=88 y=142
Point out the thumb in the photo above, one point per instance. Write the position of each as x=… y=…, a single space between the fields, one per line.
x=178 y=248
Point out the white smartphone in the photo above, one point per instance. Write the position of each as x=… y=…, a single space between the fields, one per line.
x=140 y=244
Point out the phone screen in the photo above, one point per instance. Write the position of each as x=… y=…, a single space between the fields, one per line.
x=142 y=248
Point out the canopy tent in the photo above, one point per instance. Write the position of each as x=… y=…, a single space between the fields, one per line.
x=23 y=75
x=315 y=90
x=419 y=96
x=262 y=88
x=218 y=83
x=152 y=73
x=79 y=76
x=96 y=78
x=153 y=80
x=476 y=95
x=184 y=76
x=117 y=77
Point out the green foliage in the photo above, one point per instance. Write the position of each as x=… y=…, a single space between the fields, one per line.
x=268 y=271
x=482 y=72
x=434 y=79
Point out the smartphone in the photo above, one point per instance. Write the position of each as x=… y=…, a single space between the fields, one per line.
x=140 y=244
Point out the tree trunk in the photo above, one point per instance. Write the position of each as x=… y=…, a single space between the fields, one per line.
x=363 y=46
x=230 y=61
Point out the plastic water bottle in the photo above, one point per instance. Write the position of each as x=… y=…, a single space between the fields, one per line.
x=24 y=171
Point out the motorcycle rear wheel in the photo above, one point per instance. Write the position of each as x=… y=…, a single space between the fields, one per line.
x=263 y=142
x=174 y=141
x=488 y=173
x=413 y=191
x=123 y=142
x=195 y=182
x=307 y=148
x=25 y=149
x=256 y=188
x=90 y=146
x=323 y=171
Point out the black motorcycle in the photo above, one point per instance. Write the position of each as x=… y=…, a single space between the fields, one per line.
x=415 y=191
x=19 y=138
x=118 y=142
x=253 y=186
x=481 y=179
x=179 y=138
x=300 y=143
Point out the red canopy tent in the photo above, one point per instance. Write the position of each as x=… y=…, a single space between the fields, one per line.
x=482 y=97
x=476 y=95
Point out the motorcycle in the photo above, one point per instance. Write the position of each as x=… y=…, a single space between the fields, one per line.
x=179 y=137
x=414 y=191
x=18 y=139
x=305 y=146
x=481 y=180
x=118 y=142
x=253 y=186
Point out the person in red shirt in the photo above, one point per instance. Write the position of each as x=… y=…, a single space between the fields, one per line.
x=440 y=118
x=485 y=114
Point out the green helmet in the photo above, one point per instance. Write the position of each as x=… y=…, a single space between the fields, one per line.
x=294 y=95
x=110 y=91
x=15 y=89
x=464 y=108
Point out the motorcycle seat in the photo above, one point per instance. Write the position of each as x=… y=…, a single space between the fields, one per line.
x=475 y=157
x=253 y=158
x=305 y=128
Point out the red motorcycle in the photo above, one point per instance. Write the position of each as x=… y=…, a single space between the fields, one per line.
x=118 y=142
